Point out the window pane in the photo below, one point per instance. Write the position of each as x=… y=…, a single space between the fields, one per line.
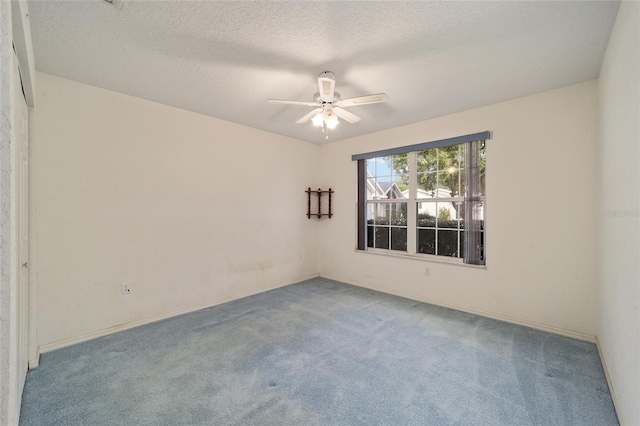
x=448 y=243
x=370 y=212
x=399 y=239
x=369 y=236
x=400 y=167
x=447 y=215
x=400 y=164
x=398 y=214
x=426 y=241
x=384 y=166
x=448 y=184
x=378 y=213
x=381 y=213
x=448 y=157
x=426 y=221
x=427 y=183
x=391 y=187
x=427 y=161
x=400 y=187
x=458 y=206
x=371 y=166
x=453 y=181
x=426 y=215
x=373 y=193
x=379 y=166
x=381 y=237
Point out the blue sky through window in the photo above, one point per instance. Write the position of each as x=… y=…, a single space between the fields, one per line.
x=379 y=166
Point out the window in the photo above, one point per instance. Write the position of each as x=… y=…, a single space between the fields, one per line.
x=426 y=199
x=386 y=204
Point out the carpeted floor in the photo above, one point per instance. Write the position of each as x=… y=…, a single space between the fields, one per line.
x=322 y=353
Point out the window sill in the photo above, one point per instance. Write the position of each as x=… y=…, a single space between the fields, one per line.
x=420 y=257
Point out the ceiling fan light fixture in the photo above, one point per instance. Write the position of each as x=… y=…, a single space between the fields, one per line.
x=331 y=120
x=318 y=119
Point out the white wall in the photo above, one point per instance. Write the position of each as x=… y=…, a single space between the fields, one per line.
x=619 y=246
x=541 y=225
x=188 y=209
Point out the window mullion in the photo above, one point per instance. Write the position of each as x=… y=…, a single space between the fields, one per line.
x=412 y=206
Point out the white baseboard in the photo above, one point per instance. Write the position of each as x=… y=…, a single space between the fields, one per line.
x=137 y=323
x=612 y=390
x=35 y=362
x=543 y=327
x=105 y=332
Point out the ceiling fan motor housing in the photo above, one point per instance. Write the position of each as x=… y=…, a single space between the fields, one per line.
x=318 y=99
x=327 y=74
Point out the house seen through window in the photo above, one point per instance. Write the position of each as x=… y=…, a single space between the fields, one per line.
x=426 y=199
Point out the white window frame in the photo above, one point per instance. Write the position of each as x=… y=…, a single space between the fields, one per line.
x=413 y=202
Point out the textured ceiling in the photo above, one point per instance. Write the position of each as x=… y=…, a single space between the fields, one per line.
x=224 y=59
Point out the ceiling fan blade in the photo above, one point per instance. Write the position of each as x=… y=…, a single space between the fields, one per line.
x=279 y=101
x=346 y=115
x=363 y=100
x=326 y=88
x=309 y=116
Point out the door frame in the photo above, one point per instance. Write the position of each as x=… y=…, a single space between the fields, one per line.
x=15 y=48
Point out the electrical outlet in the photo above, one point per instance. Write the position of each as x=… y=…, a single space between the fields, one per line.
x=125 y=289
x=427 y=271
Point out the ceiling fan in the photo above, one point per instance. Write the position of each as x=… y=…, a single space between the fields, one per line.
x=329 y=106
